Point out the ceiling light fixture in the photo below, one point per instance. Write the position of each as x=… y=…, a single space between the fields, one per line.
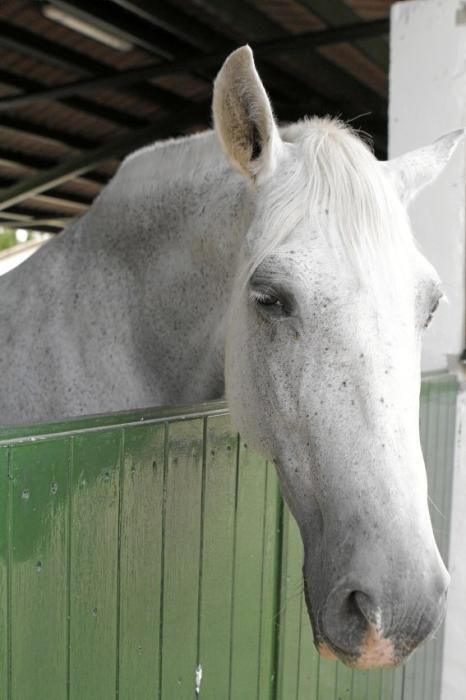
x=86 y=28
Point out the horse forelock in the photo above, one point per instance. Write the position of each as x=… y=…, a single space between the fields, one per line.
x=334 y=182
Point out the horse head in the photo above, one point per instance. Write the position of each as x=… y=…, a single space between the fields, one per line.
x=331 y=299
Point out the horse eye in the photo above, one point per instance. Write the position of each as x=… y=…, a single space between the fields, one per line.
x=432 y=312
x=269 y=300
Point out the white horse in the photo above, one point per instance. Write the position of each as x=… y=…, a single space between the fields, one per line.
x=294 y=279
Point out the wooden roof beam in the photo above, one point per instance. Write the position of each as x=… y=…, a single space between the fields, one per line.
x=30 y=44
x=36 y=223
x=80 y=104
x=124 y=25
x=46 y=134
x=57 y=201
x=310 y=40
x=117 y=147
x=33 y=162
x=175 y=22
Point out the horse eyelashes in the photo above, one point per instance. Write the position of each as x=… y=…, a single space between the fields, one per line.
x=432 y=312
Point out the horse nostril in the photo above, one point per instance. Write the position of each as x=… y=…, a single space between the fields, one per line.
x=346 y=617
x=363 y=605
x=372 y=625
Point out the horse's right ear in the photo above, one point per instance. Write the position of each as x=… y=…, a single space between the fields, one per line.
x=243 y=116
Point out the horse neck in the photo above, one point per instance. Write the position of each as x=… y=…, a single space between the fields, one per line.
x=170 y=201
x=162 y=241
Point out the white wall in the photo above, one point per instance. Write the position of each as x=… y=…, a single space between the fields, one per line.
x=427 y=99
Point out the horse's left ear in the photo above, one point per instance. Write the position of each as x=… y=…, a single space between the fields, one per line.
x=411 y=172
x=243 y=116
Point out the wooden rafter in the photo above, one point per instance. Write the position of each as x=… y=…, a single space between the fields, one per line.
x=309 y=41
x=82 y=163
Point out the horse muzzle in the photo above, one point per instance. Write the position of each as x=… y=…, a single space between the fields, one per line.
x=353 y=627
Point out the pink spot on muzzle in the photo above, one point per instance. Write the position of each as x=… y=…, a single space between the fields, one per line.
x=375 y=652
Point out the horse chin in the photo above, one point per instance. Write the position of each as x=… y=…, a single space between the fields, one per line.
x=375 y=653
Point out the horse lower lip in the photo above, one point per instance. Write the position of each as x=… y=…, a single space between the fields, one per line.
x=383 y=657
x=326 y=651
x=329 y=651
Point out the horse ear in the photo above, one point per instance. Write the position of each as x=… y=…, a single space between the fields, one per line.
x=411 y=172
x=243 y=116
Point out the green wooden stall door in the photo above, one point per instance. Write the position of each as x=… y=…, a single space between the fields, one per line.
x=142 y=554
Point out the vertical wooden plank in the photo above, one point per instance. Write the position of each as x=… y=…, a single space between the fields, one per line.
x=271 y=568
x=344 y=682
x=431 y=435
x=413 y=670
x=398 y=684
x=182 y=559
x=94 y=570
x=443 y=461
x=217 y=557
x=387 y=685
x=374 y=684
x=140 y=561
x=417 y=666
x=424 y=411
x=434 y=442
x=246 y=612
x=39 y=519
x=428 y=433
x=421 y=663
x=290 y=609
x=446 y=466
x=359 y=685
x=410 y=671
x=4 y=556
x=327 y=679
x=308 y=660
x=448 y=459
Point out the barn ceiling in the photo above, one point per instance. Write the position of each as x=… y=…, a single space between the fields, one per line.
x=84 y=82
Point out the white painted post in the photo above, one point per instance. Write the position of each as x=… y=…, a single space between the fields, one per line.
x=428 y=99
